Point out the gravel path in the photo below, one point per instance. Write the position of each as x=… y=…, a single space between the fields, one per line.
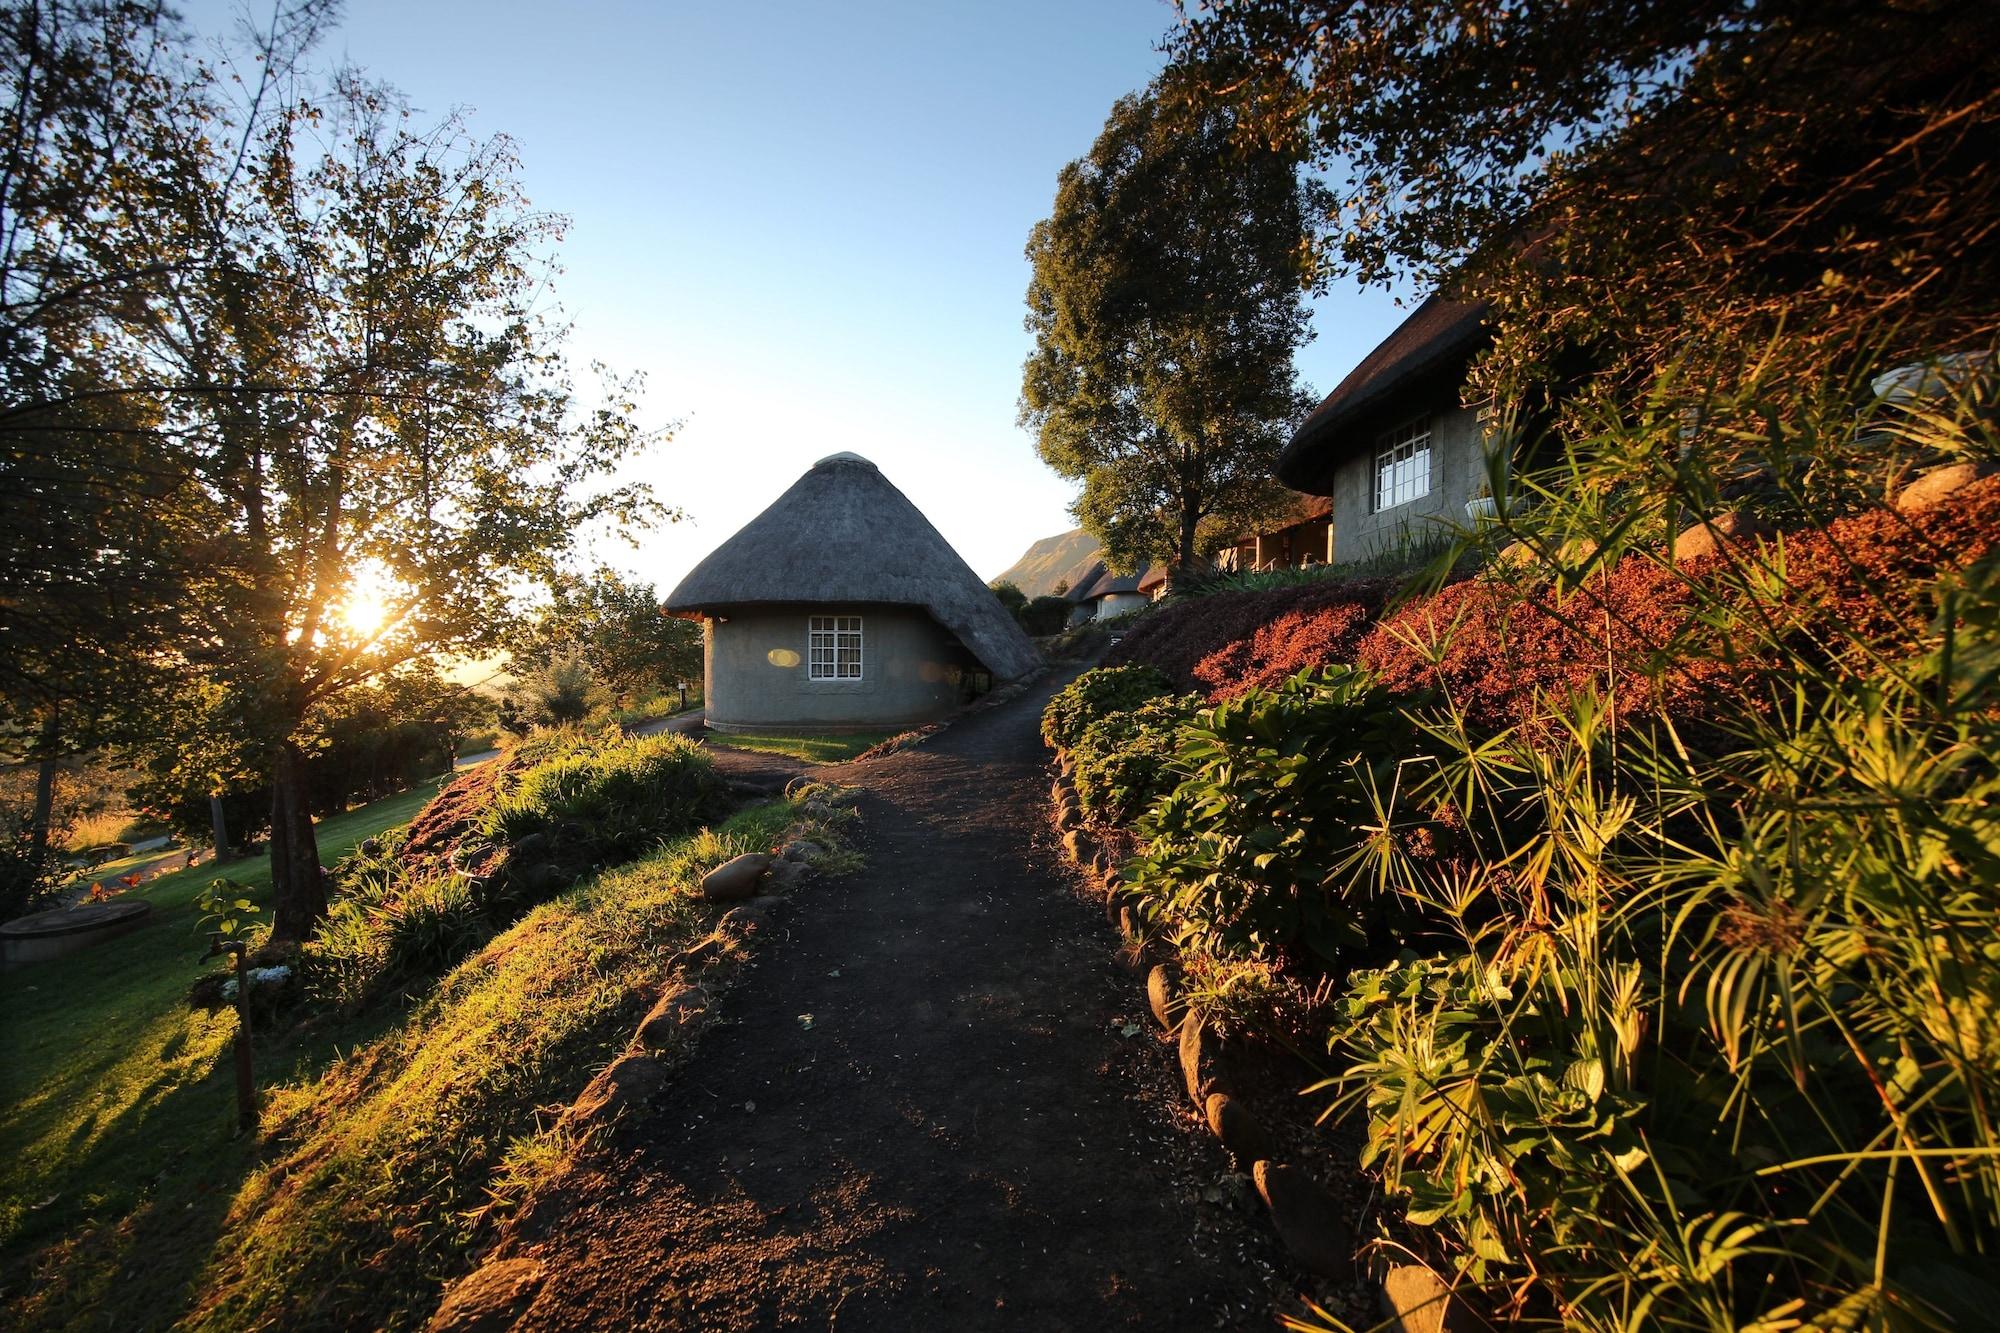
x=934 y=1102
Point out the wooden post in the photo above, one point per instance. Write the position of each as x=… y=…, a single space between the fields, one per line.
x=246 y=1087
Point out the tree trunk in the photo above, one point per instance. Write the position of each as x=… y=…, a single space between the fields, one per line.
x=299 y=891
x=43 y=818
x=1190 y=521
x=218 y=825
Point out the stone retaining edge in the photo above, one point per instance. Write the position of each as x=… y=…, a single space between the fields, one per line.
x=1304 y=1217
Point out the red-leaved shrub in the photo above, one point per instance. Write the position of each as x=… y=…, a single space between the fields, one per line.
x=1225 y=642
x=1639 y=630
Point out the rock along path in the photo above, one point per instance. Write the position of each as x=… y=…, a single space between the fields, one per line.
x=921 y=1109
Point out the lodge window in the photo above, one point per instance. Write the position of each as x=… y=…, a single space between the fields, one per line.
x=1403 y=465
x=834 y=648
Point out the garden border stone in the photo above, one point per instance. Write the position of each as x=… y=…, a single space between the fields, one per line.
x=490 y=1298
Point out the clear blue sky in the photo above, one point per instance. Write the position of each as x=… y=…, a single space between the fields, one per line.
x=804 y=222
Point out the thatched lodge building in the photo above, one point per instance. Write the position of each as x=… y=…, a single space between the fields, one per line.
x=840 y=608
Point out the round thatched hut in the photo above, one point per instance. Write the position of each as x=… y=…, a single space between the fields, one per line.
x=841 y=608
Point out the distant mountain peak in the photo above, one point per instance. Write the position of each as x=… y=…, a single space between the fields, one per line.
x=1061 y=559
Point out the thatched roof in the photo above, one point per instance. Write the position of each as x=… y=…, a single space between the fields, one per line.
x=1432 y=345
x=1085 y=587
x=843 y=534
x=1101 y=582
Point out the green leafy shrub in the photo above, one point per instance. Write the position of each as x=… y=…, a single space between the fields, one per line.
x=1094 y=694
x=370 y=942
x=1263 y=850
x=616 y=801
x=30 y=880
x=1044 y=616
x=495 y=843
x=1124 y=760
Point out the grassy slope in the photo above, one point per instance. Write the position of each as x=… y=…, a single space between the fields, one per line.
x=115 y=1103
x=392 y=1158
x=809 y=748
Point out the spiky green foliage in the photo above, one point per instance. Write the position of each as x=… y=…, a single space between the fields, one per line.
x=1693 y=1025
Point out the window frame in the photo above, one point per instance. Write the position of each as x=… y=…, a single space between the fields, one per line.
x=837 y=629
x=1417 y=436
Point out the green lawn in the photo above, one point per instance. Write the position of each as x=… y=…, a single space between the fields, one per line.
x=657 y=708
x=810 y=748
x=116 y=1106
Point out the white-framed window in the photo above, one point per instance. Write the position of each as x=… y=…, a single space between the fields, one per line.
x=1403 y=465
x=833 y=648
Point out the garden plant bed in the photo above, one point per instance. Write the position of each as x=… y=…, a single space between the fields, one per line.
x=1246 y=1091
x=1476 y=845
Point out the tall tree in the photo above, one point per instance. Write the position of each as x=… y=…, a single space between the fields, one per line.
x=260 y=351
x=1166 y=303
x=1650 y=180
x=407 y=421
x=371 y=394
x=100 y=105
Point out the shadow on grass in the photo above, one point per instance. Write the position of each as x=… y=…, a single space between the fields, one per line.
x=131 y=1259
x=118 y=1159
x=805 y=746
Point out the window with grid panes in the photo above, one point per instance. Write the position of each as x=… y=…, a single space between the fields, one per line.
x=834 y=648
x=1403 y=465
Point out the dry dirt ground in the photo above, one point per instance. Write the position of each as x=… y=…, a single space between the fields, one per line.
x=935 y=1102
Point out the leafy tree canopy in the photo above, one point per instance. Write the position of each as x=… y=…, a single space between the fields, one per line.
x=1166 y=303
x=1646 y=180
x=627 y=643
x=287 y=347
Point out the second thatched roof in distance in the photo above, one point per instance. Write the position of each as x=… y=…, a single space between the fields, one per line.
x=844 y=534
x=1098 y=581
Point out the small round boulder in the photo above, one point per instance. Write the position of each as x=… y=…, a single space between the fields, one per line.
x=1197 y=1059
x=1163 y=996
x=1080 y=847
x=1306 y=1219
x=1931 y=489
x=491 y=1299
x=1737 y=525
x=1239 y=1129
x=735 y=879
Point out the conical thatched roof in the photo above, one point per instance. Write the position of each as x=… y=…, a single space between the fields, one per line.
x=842 y=533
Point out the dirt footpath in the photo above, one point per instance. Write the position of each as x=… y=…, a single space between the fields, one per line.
x=935 y=1102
